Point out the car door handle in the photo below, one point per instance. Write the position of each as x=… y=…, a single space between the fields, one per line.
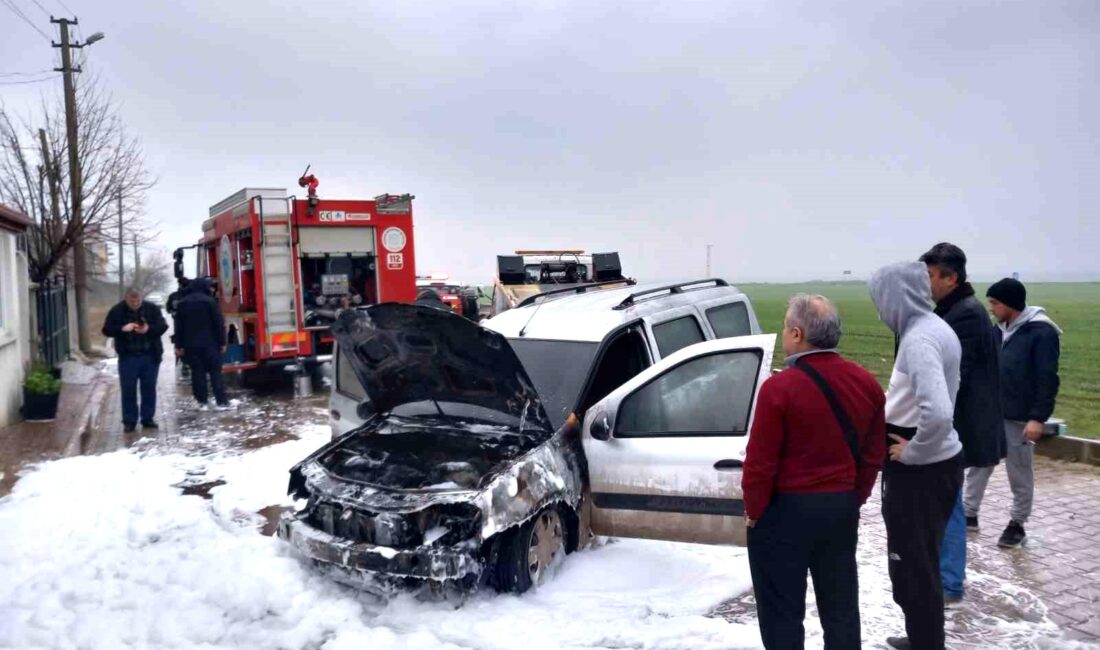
x=728 y=464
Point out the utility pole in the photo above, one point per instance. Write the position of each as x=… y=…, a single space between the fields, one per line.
x=121 y=262
x=76 y=215
x=709 y=246
x=137 y=264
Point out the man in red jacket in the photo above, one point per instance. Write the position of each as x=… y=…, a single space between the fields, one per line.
x=818 y=441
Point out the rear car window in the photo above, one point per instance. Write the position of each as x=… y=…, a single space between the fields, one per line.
x=729 y=320
x=346 y=381
x=676 y=334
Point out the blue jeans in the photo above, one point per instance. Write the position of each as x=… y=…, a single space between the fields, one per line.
x=953 y=552
x=133 y=370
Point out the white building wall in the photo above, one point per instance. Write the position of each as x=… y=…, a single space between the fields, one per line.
x=13 y=335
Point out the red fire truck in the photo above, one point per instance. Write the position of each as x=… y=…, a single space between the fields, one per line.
x=283 y=266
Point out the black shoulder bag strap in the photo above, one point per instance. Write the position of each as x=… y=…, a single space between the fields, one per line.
x=842 y=419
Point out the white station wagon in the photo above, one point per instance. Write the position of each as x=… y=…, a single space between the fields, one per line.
x=467 y=455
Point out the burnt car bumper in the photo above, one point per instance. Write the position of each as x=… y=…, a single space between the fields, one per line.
x=448 y=564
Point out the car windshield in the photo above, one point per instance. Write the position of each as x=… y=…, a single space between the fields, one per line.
x=558 y=370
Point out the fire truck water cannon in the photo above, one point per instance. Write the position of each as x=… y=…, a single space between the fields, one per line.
x=310 y=182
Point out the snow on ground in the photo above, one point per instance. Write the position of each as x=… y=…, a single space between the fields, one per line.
x=107 y=552
x=103 y=552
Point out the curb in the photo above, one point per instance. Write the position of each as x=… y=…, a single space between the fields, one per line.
x=88 y=415
x=1070 y=448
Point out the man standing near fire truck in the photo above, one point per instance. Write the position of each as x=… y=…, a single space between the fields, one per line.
x=200 y=340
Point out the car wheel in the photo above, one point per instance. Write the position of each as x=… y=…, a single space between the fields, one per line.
x=528 y=552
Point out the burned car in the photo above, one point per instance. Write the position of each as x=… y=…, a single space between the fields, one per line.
x=460 y=476
x=456 y=467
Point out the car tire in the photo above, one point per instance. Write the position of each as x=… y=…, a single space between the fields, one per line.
x=528 y=551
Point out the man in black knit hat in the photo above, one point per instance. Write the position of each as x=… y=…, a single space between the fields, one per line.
x=1029 y=344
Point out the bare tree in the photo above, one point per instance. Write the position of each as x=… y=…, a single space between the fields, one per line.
x=153 y=276
x=34 y=181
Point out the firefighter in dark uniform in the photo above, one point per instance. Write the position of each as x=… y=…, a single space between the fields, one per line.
x=200 y=339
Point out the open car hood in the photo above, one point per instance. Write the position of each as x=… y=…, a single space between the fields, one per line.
x=404 y=354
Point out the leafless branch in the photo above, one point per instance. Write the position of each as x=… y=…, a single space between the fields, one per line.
x=113 y=171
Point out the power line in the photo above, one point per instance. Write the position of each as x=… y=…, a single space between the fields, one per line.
x=30 y=81
x=24 y=74
x=66 y=7
x=18 y=12
x=44 y=10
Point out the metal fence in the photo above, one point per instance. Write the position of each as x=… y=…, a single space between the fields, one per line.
x=51 y=299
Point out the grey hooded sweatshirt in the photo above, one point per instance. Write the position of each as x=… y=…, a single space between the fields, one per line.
x=926 y=372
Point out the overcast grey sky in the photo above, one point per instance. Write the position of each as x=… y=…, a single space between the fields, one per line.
x=799 y=138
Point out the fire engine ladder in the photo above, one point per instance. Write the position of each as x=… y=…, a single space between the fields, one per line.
x=277 y=270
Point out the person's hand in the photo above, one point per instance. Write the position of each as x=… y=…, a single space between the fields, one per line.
x=223 y=349
x=129 y=327
x=1033 y=430
x=141 y=329
x=897 y=450
x=179 y=352
x=749 y=523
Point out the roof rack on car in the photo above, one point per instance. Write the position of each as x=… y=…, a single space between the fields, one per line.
x=582 y=288
x=677 y=288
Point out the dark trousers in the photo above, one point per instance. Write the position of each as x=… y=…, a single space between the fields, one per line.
x=206 y=362
x=917 y=501
x=800 y=533
x=135 y=370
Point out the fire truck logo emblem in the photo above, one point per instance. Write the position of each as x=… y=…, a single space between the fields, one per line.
x=393 y=239
x=225 y=268
x=332 y=215
x=395 y=261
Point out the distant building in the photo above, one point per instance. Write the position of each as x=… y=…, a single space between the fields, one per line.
x=98 y=257
x=15 y=324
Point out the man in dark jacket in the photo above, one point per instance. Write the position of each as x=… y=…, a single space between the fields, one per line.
x=808 y=469
x=200 y=339
x=978 y=418
x=136 y=326
x=1029 y=350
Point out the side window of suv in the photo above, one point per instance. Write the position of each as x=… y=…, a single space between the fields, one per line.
x=346 y=381
x=729 y=320
x=709 y=395
x=677 y=333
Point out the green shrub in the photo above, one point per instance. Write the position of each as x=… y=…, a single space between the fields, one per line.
x=42 y=382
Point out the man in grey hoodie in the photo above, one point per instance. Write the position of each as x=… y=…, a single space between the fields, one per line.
x=924 y=473
x=1030 y=348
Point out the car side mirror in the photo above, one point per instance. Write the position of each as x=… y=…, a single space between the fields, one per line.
x=601 y=429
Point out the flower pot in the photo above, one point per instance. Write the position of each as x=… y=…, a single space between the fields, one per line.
x=38 y=407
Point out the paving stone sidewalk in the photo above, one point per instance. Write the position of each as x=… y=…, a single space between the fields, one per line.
x=1044 y=595
x=24 y=443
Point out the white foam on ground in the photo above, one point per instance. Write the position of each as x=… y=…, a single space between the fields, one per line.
x=102 y=552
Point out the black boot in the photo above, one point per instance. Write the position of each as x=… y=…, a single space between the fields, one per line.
x=1013 y=536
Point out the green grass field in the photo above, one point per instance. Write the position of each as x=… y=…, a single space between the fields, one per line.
x=1074 y=306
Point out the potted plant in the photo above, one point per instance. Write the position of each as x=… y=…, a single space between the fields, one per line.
x=41 y=390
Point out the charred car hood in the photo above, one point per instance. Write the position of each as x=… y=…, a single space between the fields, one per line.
x=404 y=354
